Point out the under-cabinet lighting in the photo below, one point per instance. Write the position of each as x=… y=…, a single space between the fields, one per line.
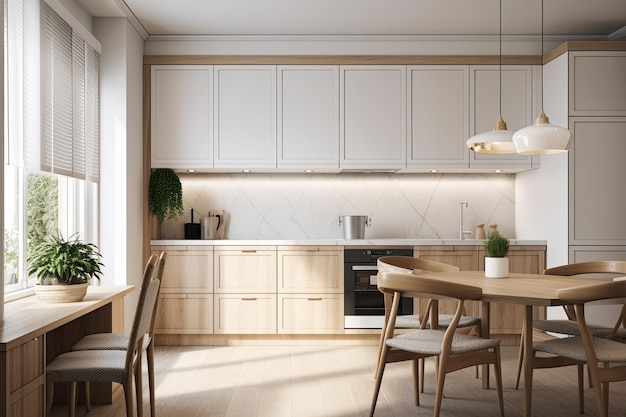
x=308 y=171
x=498 y=171
x=191 y=170
x=246 y=171
x=434 y=171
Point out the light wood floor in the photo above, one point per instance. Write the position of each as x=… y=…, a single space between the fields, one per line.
x=334 y=381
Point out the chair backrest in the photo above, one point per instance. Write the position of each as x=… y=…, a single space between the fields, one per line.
x=158 y=274
x=409 y=264
x=595 y=267
x=150 y=286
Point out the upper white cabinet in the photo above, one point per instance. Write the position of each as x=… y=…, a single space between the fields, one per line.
x=245 y=116
x=597 y=83
x=517 y=106
x=182 y=116
x=308 y=116
x=438 y=122
x=373 y=116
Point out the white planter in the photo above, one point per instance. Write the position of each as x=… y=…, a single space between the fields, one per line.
x=496 y=267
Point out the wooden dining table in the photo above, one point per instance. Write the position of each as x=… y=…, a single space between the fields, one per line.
x=526 y=289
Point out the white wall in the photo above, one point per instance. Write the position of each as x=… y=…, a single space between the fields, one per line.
x=121 y=155
x=307 y=206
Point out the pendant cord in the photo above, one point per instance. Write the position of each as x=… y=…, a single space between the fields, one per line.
x=542 y=55
x=500 y=40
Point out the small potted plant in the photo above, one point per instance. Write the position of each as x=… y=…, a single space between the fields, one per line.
x=496 y=262
x=165 y=194
x=64 y=268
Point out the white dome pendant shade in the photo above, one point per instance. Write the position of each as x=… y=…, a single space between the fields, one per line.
x=541 y=138
x=497 y=141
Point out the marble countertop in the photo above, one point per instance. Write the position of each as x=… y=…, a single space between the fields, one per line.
x=336 y=242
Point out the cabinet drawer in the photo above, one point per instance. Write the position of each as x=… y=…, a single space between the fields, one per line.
x=310 y=313
x=245 y=271
x=189 y=271
x=26 y=362
x=185 y=314
x=310 y=271
x=245 y=313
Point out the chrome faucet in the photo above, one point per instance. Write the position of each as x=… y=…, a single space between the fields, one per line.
x=462 y=232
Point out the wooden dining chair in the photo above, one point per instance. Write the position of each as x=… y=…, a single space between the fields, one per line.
x=120 y=366
x=569 y=326
x=412 y=265
x=453 y=351
x=585 y=348
x=119 y=341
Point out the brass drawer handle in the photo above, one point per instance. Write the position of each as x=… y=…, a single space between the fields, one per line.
x=314 y=299
x=248 y=251
x=249 y=299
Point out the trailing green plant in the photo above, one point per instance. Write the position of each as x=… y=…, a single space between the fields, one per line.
x=497 y=246
x=71 y=261
x=165 y=194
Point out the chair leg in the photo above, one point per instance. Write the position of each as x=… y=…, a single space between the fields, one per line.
x=441 y=377
x=150 y=356
x=520 y=361
x=581 y=394
x=421 y=370
x=72 y=401
x=49 y=392
x=416 y=378
x=128 y=397
x=381 y=343
x=498 y=369
x=139 y=386
x=379 y=378
x=88 y=396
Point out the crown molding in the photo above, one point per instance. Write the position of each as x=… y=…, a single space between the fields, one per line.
x=132 y=19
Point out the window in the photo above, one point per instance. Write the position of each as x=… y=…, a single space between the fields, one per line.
x=51 y=134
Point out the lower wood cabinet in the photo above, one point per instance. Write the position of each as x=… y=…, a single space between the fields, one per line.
x=185 y=314
x=245 y=314
x=25 y=384
x=310 y=313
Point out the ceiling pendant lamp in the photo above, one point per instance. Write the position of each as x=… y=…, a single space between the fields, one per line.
x=541 y=138
x=499 y=140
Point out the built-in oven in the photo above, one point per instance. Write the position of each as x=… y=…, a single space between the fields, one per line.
x=364 y=305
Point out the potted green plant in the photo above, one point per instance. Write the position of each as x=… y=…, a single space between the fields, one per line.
x=64 y=268
x=165 y=194
x=496 y=262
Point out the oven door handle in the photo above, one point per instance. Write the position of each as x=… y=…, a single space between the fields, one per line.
x=364 y=268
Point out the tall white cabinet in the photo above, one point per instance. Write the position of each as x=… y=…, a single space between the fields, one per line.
x=373 y=116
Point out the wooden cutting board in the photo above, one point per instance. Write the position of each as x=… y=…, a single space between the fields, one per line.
x=221 y=229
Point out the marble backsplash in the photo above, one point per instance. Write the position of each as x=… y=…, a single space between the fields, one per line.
x=308 y=206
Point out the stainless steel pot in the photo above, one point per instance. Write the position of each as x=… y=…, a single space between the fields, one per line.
x=354 y=226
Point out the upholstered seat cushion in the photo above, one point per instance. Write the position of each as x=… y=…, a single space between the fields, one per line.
x=570 y=327
x=89 y=365
x=572 y=348
x=106 y=341
x=429 y=342
x=413 y=321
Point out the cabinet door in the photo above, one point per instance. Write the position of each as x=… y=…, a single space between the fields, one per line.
x=185 y=314
x=438 y=123
x=373 y=116
x=597 y=83
x=308 y=116
x=597 y=173
x=517 y=107
x=245 y=270
x=245 y=116
x=310 y=314
x=310 y=271
x=181 y=116
x=245 y=313
x=187 y=271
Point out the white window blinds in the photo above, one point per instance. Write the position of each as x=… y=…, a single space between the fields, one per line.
x=69 y=100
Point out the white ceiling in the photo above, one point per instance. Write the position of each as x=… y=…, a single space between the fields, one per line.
x=583 y=18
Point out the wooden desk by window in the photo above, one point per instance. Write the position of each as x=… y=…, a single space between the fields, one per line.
x=33 y=333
